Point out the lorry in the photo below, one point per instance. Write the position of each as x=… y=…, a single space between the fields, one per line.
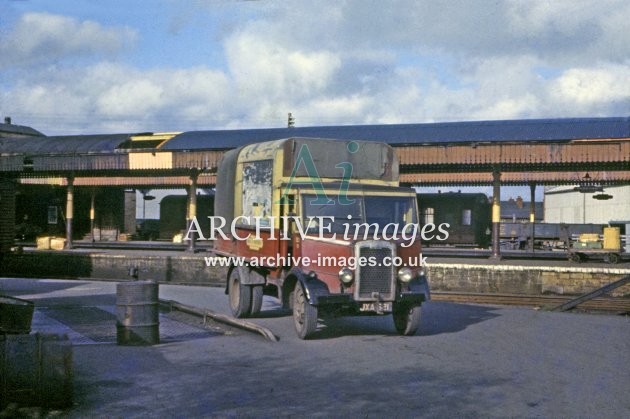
x=323 y=226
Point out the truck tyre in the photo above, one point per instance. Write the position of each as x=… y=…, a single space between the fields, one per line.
x=304 y=314
x=240 y=296
x=406 y=318
x=257 y=299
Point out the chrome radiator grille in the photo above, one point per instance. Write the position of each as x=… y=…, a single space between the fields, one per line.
x=377 y=279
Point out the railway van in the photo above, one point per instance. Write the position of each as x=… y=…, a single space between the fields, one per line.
x=467 y=214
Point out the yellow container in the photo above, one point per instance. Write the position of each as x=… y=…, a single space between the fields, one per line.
x=589 y=237
x=57 y=243
x=43 y=243
x=612 y=238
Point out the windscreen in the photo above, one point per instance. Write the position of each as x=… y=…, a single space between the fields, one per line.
x=379 y=210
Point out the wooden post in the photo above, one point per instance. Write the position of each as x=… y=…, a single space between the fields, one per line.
x=192 y=210
x=92 y=214
x=532 y=215
x=496 y=214
x=69 y=211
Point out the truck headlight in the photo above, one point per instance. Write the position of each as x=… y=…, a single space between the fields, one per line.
x=346 y=276
x=405 y=275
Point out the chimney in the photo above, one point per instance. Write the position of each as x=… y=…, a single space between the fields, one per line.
x=7 y=120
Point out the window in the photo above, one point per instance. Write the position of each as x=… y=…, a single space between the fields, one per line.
x=379 y=210
x=52 y=215
x=466 y=217
x=429 y=215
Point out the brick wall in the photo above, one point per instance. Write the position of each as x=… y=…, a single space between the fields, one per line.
x=510 y=279
x=189 y=269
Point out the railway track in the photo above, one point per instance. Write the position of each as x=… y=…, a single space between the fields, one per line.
x=621 y=305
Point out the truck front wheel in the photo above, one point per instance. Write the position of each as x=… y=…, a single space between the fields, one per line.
x=406 y=318
x=240 y=296
x=304 y=314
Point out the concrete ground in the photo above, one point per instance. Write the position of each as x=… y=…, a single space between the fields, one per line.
x=465 y=361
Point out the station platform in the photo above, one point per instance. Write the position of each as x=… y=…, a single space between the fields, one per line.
x=451 y=271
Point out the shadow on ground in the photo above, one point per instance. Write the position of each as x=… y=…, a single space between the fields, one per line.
x=16 y=288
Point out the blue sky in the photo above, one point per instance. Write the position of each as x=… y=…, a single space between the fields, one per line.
x=88 y=66
x=93 y=66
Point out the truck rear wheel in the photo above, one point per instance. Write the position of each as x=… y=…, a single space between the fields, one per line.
x=304 y=314
x=406 y=318
x=257 y=299
x=240 y=296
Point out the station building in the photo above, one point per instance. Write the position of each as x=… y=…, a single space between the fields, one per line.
x=567 y=204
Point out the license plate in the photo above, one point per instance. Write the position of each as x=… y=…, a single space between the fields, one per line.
x=379 y=307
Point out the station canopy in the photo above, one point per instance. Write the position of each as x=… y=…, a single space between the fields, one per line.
x=540 y=151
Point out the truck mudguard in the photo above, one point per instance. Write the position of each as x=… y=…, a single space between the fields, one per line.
x=420 y=284
x=246 y=276
x=313 y=286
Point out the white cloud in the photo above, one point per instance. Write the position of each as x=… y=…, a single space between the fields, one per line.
x=556 y=30
x=262 y=66
x=110 y=97
x=345 y=62
x=593 y=86
x=45 y=37
x=130 y=98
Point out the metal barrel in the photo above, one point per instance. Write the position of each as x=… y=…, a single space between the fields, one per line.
x=36 y=370
x=16 y=315
x=612 y=238
x=137 y=313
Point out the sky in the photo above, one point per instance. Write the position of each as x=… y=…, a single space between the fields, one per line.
x=94 y=66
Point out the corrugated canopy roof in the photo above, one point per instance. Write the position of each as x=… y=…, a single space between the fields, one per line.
x=12 y=129
x=546 y=130
x=74 y=144
x=399 y=134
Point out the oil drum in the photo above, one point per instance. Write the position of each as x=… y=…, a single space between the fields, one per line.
x=36 y=370
x=137 y=313
x=612 y=238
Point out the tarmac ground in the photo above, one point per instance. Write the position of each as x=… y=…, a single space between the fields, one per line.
x=465 y=361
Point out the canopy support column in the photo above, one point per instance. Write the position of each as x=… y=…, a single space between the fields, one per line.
x=192 y=211
x=69 y=211
x=496 y=214
x=532 y=215
x=92 y=214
